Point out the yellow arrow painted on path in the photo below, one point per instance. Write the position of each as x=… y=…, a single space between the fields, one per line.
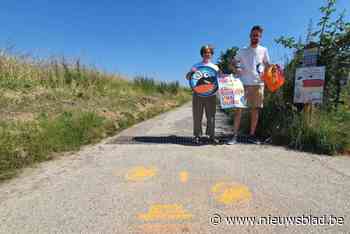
x=165 y=212
x=229 y=193
x=140 y=173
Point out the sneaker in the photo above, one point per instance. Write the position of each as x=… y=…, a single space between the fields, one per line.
x=253 y=140
x=196 y=140
x=214 y=140
x=233 y=140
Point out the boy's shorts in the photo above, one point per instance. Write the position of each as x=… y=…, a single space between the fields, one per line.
x=254 y=95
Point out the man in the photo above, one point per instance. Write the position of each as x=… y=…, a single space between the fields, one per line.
x=199 y=104
x=252 y=62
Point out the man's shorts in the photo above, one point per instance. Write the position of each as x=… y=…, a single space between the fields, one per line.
x=254 y=95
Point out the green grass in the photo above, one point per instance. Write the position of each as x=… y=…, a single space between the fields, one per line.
x=328 y=132
x=23 y=143
x=53 y=106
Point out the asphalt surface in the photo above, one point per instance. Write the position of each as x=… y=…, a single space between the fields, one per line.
x=166 y=186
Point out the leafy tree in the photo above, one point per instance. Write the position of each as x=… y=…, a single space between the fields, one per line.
x=333 y=39
x=225 y=60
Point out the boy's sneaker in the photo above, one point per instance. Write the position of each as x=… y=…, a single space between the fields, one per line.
x=233 y=140
x=196 y=140
x=253 y=140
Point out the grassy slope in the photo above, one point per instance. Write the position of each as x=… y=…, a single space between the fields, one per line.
x=50 y=106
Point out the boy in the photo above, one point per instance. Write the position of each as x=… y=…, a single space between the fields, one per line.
x=200 y=103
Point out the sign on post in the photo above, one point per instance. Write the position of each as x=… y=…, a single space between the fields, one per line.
x=310 y=57
x=309 y=83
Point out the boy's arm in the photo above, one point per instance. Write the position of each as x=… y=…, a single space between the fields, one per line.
x=188 y=75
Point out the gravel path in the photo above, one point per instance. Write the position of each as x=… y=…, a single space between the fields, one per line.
x=172 y=187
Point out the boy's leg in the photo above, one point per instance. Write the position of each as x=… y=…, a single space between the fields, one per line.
x=197 y=113
x=210 y=111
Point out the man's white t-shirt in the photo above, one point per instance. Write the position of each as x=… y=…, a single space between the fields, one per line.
x=210 y=64
x=252 y=62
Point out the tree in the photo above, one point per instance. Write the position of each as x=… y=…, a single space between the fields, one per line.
x=333 y=40
x=225 y=60
x=309 y=36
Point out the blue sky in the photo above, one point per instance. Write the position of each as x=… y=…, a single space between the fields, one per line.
x=158 y=38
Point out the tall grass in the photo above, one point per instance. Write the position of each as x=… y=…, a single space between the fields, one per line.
x=327 y=132
x=69 y=105
x=152 y=86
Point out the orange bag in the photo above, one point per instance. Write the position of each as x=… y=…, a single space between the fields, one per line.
x=273 y=77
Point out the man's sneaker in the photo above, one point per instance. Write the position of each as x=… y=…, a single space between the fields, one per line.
x=233 y=140
x=253 y=140
x=196 y=140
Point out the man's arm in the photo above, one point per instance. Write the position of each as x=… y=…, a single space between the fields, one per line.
x=266 y=59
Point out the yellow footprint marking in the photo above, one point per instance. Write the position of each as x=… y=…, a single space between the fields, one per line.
x=227 y=193
x=165 y=228
x=140 y=173
x=165 y=212
x=183 y=176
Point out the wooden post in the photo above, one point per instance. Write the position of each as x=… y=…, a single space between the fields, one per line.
x=308 y=113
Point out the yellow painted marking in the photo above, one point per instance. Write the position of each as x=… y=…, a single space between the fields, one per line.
x=229 y=193
x=165 y=212
x=219 y=187
x=140 y=173
x=183 y=176
x=165 y=228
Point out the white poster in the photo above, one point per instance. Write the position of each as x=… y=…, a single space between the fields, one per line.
x=231 y=92
x=309 y=83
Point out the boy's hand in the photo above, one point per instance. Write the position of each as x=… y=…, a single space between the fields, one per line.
x=188 y=75
x=220 y=73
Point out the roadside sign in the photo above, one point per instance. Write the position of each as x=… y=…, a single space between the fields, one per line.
x=309 y=83
x=310 y=57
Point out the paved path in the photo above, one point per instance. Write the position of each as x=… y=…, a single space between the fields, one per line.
x=114 y=187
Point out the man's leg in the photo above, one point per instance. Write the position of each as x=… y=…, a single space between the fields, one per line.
x=197 y=112
x=236 y=125
x=257 y=97
x=237 y=121
x=254 y=117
